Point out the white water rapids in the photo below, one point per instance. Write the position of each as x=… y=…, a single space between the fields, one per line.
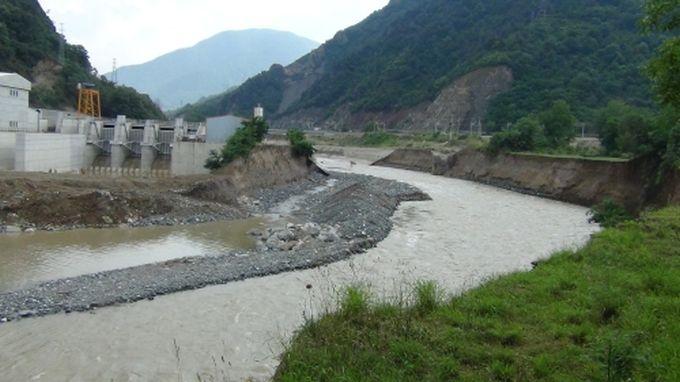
x=466 y=234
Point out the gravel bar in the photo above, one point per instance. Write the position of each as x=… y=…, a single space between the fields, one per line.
x=357 y=207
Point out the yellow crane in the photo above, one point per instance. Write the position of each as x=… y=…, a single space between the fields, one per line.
x=89 y=100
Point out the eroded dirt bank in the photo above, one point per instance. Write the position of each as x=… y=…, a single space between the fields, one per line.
x=580 y=181
x=31 y=201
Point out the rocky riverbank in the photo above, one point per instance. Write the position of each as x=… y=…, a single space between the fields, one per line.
x=327 y=219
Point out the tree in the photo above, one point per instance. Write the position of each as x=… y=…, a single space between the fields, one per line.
x=664 y=69
x=300 y=146
x=240 y=144
x=558 y=124
x=624 y=128
x=664 y=16
x=672 y=155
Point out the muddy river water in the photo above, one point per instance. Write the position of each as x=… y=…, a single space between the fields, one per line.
x=27 y=259
x=466 y=234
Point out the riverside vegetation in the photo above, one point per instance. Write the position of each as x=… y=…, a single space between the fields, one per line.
x=240 y=144
x=624 y=129
x=606 y=312
x=251 y=133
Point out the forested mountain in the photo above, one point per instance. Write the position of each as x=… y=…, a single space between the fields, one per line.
x=437 y=63
x=30 y=46
x=213 y=65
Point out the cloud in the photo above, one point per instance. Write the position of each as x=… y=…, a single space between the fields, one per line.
x=135 y=31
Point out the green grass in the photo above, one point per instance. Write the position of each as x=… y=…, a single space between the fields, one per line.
x=607 y=312
x=573 y=156
x=441 y=142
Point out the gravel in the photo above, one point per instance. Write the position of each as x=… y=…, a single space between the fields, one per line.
x=341 y=215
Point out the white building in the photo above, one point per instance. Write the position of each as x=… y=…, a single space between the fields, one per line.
x=15 y=114
x=259 y=111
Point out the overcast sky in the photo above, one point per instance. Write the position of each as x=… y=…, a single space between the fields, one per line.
x=136 y=31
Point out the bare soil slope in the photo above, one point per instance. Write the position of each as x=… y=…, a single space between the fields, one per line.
x=55 y=201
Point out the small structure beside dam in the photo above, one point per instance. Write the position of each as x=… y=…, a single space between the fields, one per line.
x=34 y=140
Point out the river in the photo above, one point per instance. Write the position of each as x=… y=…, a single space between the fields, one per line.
x=465 y=235
x=29 y=258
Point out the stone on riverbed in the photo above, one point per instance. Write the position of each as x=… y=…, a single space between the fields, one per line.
x=11 y=229
x=312 y=229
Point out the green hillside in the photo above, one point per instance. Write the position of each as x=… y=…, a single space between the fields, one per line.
x=30 y=46
x=584 y=51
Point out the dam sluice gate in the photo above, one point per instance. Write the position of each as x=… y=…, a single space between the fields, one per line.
x=118 y=146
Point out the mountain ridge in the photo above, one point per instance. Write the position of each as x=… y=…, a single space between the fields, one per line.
x=212 y=65
x=392 y=66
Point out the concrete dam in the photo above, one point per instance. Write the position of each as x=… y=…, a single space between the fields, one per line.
x=39 y=140
x=109 y=146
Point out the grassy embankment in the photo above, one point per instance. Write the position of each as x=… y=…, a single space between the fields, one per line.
x=440 y=142
x=607 y=312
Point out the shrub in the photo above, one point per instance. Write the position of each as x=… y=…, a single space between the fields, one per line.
x=240 y=144
x=214 y=160
x=301 y=147
x=354 y=302
x=525 y=135
x=428 y=297
x=609 y=214
x=558 y=122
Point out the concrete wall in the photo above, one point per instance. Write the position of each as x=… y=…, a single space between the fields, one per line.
x=188 y=158
x=70 y=125
x=44 y=152
x=90 y=154
x=7 y=143
x=219 y=129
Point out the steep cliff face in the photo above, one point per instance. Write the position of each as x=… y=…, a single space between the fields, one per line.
x=462 y=106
